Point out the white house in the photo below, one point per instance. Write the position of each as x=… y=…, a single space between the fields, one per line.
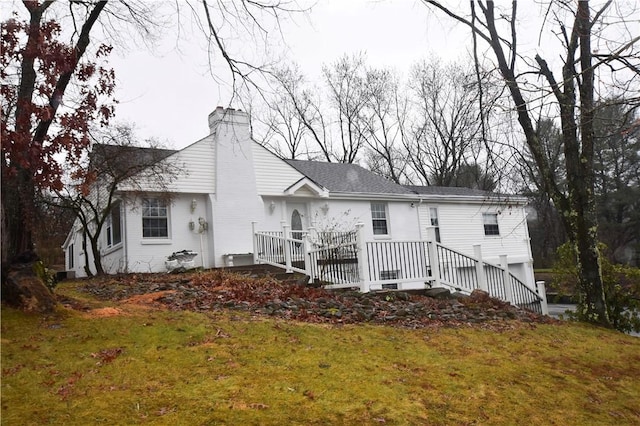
x=235 y=189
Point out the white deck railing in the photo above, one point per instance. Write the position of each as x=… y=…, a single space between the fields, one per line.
x=345 y=259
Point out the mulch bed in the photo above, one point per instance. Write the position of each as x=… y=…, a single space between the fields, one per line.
x=217 y=290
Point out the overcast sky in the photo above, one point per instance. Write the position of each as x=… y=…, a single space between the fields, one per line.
x=168 y=94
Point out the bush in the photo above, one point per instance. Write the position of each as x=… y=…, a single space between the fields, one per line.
x=47 y=275
x=621 y=288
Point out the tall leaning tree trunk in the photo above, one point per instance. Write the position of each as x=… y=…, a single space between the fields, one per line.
x=582 y=191
x=578 y=209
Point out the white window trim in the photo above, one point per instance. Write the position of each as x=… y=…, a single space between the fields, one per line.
x=386 y=236
x=484 y=224
x=156 y=240
x=110 y=246
x=150 y=241
x=437 y=226
x=111 y=249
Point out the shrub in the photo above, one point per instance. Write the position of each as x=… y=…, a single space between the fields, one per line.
x=621 y=288
x=47 y=275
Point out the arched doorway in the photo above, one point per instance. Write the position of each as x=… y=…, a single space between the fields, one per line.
x=296 y=224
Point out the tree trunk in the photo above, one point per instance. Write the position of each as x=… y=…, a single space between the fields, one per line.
x=87 y=266
x=23 y=288
x=97 y=260
x=17 y=215
x=590 y=275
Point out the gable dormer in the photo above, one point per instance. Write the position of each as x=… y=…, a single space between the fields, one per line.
x=305 y=187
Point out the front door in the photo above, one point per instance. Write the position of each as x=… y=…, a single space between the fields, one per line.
x=297 y=218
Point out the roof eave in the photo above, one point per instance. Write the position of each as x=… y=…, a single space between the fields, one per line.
x=424 y=197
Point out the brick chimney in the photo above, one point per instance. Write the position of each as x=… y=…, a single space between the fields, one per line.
x=227 y=115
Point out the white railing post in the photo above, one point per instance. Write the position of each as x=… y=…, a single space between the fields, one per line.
x=311 y=231
x=482 y=276
x=363 y=261
x=508 y=291
x=254 y=237
x=541 y=289
x=307 y=257
x=287 y=247
x=432 y=250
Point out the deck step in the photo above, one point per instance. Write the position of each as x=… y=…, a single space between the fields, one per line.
x=264 y=271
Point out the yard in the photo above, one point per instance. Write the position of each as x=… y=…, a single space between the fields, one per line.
x=222 y=349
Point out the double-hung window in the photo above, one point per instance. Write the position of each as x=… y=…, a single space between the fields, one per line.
x=114 y=229
x=433 y=214
x=155 y=218
x=490 y=221
x=379 y=219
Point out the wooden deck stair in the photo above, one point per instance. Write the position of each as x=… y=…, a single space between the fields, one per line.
x=267 y=271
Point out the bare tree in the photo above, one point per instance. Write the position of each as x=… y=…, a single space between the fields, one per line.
x=252 y=22
x=447 y=133
x=115 y=162
x=572 y=93
x=278 y=119
x=346 y=81
x=384 y=125
x=304 y=113
x=332 y=120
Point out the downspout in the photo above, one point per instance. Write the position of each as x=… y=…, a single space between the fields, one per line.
x=126 y=240
x=202 y=252
x=418 y=215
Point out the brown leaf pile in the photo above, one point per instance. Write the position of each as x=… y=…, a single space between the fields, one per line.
x=219 y=289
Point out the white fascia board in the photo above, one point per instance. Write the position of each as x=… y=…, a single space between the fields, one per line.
x=361 y=196
x=66 y=240
x=75 y=227
x=517 y=199
x=432 y=198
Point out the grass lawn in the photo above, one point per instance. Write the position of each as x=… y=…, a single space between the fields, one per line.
x=123 y=363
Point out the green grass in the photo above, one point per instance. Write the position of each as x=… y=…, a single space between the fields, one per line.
x=159 y=367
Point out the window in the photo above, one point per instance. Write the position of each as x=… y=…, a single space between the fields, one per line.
x=433 y=213
x=155 y=220
x=70 y=253
x=114 y=230
x=490 y=221
x=379 y=218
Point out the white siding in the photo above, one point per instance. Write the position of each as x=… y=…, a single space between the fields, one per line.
x=273 y=175
x=343 y=215
x=194 y=167
x=113 y=260
x=198 y=161
x=75 y=239
x=149 y=254
x=461 y=226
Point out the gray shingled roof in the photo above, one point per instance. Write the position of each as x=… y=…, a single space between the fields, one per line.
x=347 y=178
x=444 y=191
x=449 y=190
x=126 y=158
